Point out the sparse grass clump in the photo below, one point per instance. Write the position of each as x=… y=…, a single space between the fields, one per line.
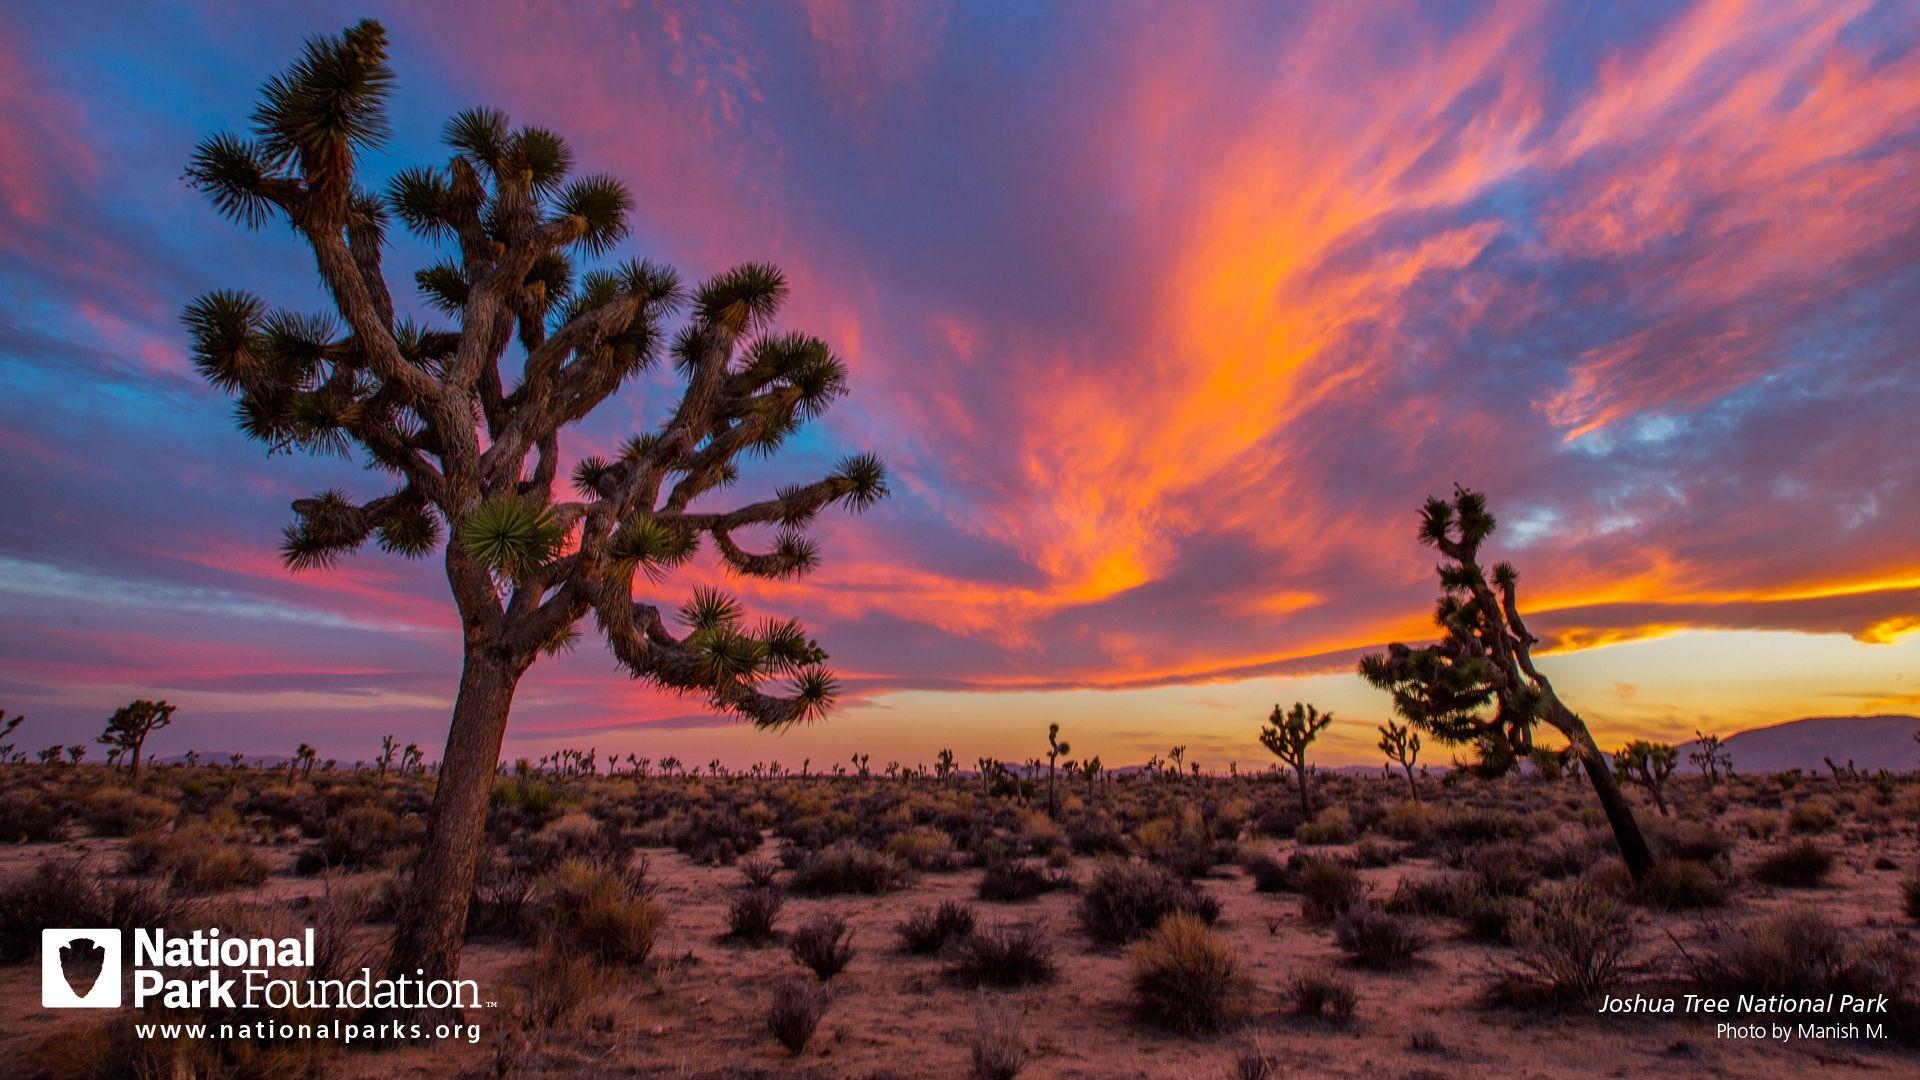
x=198 y=857
x=1681 y=886
x=1812 y=816
x=847 y=868
x=997 y=1048
x=1374 y=938
x=1327 y=887
x=1802 y=864
x=929 y=930
x=66 y=890
x=1324 y=996
x=751 y=915
x=1015 y=880
x=795 y=1012
x=1332 y=825
x=1126 y=900
x=1574 y=943
x=1186 y=978
x=1005 y=957
x=823 y=944
x=589 y=910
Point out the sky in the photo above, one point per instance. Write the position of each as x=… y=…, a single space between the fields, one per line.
x=1165 y=317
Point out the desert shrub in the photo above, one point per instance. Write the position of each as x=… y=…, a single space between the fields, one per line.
x=1574 y=943
x=1374 y=938
x=589 y=910
x=1324 y=996
x=1408 y=822
x=1910 y=897
x=1125 y=900
x=1505 y=868
x=65 y=890
x=795 y=1011
x=1672 y=885
x=1095 y=834
x=365 y=835
x=117 y=811
x=1802 y=864
x=1015 y=880
x=526 y=797
x=759 y=873
x=1688 y=841
x=198 y=857
x=929 y=930
x=28 y=817
x=1185 y=977
x=1375 y=852
x=502 y=901
x=845 y=868
x=823 y=945
x=1812 y=816
x=554 y=986
x=1269 y=874
x=713 y=837
x=1467 y=827
x=924 y=847
x=1332 y=825
x=751 y=915
x=1004 y=956
x=997 y=1048
x=1327 y=888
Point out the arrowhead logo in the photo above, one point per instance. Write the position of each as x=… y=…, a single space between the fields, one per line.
x=80 y=969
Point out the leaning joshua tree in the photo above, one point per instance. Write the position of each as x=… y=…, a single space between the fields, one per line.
x=466 y=419
x=130 y=725
x=1478 y=685
x=1288 y=734
x=1055 y=750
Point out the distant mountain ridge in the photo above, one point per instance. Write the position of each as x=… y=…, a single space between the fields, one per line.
x=1868 y=742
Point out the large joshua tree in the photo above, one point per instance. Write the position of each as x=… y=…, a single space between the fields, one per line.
x=1478 y=685
x=469 y=435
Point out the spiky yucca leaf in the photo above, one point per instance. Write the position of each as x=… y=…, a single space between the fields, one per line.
x=711 y=609
x=222 y=325
x=744 y=298
x=512 y=535
x=335 y=94
x=654 y=547
x=233 y=173
x=413 y=535
x=602 y=204
x=479 y=134
x=866 y=478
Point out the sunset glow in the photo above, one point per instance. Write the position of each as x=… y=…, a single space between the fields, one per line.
x=1165 y=320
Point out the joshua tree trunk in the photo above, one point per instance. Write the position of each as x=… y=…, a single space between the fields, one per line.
x=1306 y=802
x=1626 y=830
x=434 y=923
x=1412 y=785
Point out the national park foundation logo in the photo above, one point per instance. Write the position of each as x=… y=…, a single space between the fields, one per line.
x=80 y=969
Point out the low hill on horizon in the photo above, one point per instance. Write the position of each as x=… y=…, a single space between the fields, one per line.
x=1868 y=742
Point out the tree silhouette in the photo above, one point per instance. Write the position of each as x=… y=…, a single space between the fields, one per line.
x=1401 y=744
x=130 y=725
x=1484 y=662
x=1647 y=764
x=470 y=435
x=1288 y=734
x=1055 y=749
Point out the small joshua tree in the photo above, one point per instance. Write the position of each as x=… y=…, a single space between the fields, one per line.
x=130 y=725
x=1401 y=744
x=1478 y=685
x=1055 y=750
x=1090 y=772
x=1710 y=757
x=302 y=761
x=388 y=748
x=1647 y=764
x=1288 y=734
x=944 y=765
x=75 y=753
x=471 y=436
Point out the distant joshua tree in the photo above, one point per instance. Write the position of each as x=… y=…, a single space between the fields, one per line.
x=1090 y=772
x=1711 y=757
x=1055 y=750
x=7 y=726
x=389 y=747
x=303 y=761
x=1648 y=764
x=131 y=724
x=944 y=765
x=75 y=753
x=1288 y=734
x=1401 y=744
x=1485 y=662
x=472 y=436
